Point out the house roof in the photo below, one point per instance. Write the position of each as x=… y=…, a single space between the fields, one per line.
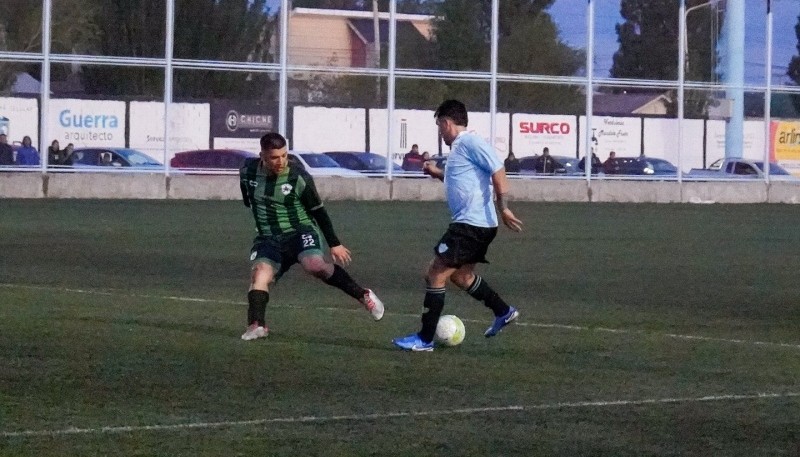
x=626 y=103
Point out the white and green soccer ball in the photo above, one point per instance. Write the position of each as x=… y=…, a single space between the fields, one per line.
x=449 y=331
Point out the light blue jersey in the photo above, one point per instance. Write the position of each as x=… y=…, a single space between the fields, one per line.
x=468 y=180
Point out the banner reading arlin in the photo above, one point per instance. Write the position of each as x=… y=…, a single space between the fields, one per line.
x=785 y=141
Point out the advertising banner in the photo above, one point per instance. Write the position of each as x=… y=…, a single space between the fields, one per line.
x=189 y=128
x=410 y=127
x=319 y=129
x=240 y=125
x=530 y=133
x=660 y=137
x=20 y=117
x=622 y=135
x=785 y=144
x=84 y=123
x=753 y=141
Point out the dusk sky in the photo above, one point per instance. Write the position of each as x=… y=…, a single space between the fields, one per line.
x=570 y=15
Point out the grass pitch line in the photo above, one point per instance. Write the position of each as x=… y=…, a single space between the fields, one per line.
x=578 y=328
x=395 y=415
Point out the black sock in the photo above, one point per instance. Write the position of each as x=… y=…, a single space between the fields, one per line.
x=481 y=291
x=257 y=306
x=342 y=280
x=434 y=304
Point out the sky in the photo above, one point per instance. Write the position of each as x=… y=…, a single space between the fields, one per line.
x=570 y=16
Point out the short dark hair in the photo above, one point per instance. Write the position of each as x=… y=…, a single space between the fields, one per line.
x=453 y=109
x=272 y=141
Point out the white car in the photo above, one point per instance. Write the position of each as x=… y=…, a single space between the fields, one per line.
x=317 y=164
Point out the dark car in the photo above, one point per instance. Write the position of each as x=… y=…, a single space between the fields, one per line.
x=111 y=157
x=565 y=165
x=639 y=166
x=225 y=159
x=365 y=162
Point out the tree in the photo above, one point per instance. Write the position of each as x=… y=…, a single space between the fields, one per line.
x=649 y=45
x=227 y=30
x=72 y=30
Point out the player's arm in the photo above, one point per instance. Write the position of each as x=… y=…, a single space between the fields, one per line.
x=313 y=204
x=245 y=193
x=501 y=192
x=430 y=169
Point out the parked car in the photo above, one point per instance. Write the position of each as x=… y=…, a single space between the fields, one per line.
x=365 y=162
x=639 y=166
x=318 y=164
x=227 y=159
x=566 y=165
x=112 y=157
x=737 y=168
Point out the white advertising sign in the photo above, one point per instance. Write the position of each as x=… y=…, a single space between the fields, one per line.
x=189 y=128
x=243 y=144
x=480 y=123
x=319 y=129
x=660 y=137
x=410 y=127
x=530 y=133
x=753 y=141
x=86 y=122
x=19 y=117
x=622 y=135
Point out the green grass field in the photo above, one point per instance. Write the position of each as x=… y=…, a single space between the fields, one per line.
x=644 y=330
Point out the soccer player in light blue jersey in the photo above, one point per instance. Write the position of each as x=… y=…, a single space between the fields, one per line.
x=472 y=177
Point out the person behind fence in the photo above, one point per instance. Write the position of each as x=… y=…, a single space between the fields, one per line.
x=66 y=154
x=54 y=153
x=511 y=164
x=545 y=163
x=291 y=222
x=473 y=176
x=6 y=151
x=597 y=164
x=608 y=165
x=27 y=154
x=412 y=161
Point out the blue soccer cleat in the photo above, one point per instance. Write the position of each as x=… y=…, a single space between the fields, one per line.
x=413 y=343
x=502 y=321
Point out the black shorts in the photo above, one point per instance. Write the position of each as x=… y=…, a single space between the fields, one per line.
x=284 y=251
x=464 y=244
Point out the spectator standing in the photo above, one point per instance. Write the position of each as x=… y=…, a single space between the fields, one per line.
x=54 y=153
x=545 y=163
x=27 y=154
x=6 y=151
x=511 y=164
x=412 y=161
x=67 y=155
x=608 y=165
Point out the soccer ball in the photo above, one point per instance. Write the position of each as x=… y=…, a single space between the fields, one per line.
x=449 y=331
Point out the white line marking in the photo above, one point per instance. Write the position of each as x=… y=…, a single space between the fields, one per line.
x=579 y=328
x=393 y=415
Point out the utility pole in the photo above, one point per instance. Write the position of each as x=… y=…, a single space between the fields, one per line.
x=377 y=48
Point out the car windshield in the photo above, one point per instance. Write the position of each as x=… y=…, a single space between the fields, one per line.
x=374 y=161
x=774 y=169
x=662 y=165
x=137 y=158
x=319 y=161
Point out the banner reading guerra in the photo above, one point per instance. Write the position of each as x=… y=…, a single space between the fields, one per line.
x=87 y=122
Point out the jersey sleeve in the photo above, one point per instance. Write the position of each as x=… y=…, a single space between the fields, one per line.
x=484 y=156
x=244 y=179
x=309 y=196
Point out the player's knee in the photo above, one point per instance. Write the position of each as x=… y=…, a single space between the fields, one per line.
x=261 y=274
x=317 y=267
x=461 y=279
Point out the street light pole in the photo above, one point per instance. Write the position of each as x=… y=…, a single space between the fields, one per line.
x=686 y=27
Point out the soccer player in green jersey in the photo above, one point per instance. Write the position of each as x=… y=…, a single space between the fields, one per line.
x=289 y=217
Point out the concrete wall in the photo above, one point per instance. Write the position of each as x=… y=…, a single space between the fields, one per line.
x=226 y=187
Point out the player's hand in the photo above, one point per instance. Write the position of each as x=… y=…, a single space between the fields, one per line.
x=341 y=255
x=429 y=168
x=511 y=220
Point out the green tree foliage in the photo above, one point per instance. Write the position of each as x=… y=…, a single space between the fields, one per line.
x=73 y=29
x=649 y=45
x=231 y=30
x=794 y=67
